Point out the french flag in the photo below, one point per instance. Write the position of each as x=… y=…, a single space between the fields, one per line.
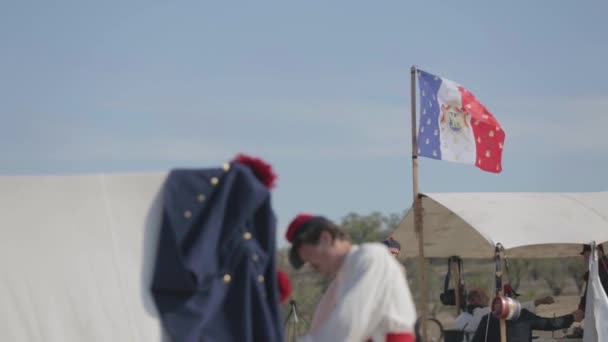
x=455 y=126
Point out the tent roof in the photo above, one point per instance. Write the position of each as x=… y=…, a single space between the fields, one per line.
x=528 y=225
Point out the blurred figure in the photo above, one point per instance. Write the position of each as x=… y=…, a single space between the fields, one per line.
x=393 y=246
x=479 y=306
x=520 y=330
x=369 y=298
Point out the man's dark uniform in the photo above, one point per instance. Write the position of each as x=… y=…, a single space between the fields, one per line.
x=520 y=330
x=215 y=273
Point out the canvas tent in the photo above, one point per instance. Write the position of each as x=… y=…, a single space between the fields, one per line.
x=529 y=225
x=76 y=252
x=76 y=257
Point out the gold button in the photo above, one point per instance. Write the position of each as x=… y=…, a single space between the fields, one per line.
x=187 y=214
x=254 y=257
x=201 y=197
x=227 y=278
x=247 y=236
x=214 y=181
x=226 y=167
x=261 y=278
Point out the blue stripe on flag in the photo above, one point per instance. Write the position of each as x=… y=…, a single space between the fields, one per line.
x=428 y=128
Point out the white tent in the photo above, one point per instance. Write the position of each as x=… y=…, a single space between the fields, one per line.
x=76 y=257
x=76 y=252
x=526 y=224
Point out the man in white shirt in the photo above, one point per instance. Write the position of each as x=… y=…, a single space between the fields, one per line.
x=478 y=307
x=369 y=298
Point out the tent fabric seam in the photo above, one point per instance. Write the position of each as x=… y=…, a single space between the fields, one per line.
x=112 y=226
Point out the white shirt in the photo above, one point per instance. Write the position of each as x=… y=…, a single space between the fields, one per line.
x=368 y=298
x=469 y=323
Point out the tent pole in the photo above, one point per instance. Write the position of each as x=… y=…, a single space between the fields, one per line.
x=457 y=288
x=418 y=224
x=499 y=289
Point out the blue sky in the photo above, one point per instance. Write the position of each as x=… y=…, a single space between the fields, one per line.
x=318 y=89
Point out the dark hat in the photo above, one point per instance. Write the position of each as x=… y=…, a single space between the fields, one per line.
x=300 y=227
x=509 y=291
x=587 y=248
x=392 y=243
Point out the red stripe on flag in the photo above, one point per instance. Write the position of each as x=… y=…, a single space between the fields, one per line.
x=489 y=136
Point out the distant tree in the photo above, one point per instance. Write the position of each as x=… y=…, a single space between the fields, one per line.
x=576 y=269
x=392 y=221
x=518 y=268
x=374 y=227
x=363 y=228
x=553 y=273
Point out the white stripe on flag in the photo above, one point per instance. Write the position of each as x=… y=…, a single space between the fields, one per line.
x=457 y=138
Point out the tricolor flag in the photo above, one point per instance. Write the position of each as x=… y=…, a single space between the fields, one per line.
x=455 y=126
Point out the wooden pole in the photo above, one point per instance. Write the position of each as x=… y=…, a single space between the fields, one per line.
x=456 y=273
x=418 y=224
x=499 y=289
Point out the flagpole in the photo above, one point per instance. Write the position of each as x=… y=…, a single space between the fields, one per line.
x=499 y=290
x=418 y=224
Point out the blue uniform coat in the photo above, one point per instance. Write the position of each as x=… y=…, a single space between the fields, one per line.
x=215 y=273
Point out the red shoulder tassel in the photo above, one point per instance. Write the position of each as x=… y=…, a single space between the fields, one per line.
x=262 y=170
x=284 y=285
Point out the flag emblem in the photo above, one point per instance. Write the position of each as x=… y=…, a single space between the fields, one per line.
x=455 y=126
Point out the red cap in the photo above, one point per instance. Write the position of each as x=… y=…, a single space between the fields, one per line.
x=295 y=224
x=284 y=285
